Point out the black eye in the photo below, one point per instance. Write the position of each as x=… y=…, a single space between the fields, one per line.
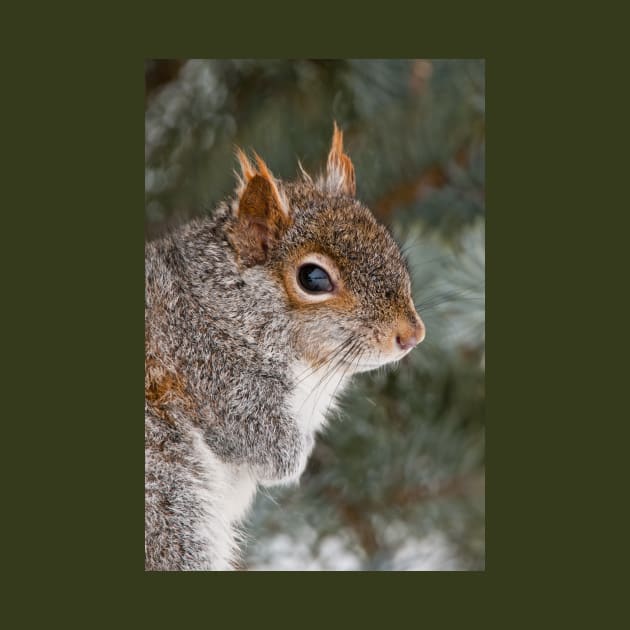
x=314 y=279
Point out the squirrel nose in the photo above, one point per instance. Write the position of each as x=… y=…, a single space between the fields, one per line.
x=410 y=334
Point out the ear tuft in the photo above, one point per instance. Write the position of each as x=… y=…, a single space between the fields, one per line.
x=247 y=171
x=279 y=196
x=305 y=176
x=340 y=177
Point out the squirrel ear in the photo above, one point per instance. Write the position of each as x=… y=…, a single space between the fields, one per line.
x=340 y=176
x=261 y=209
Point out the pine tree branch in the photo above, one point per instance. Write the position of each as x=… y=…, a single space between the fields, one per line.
x=433 y=177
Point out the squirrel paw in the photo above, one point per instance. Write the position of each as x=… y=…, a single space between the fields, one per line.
x=290 y=469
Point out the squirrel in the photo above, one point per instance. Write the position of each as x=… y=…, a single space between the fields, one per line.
x=255 y=319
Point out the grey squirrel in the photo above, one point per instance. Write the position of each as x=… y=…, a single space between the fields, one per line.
x=255 y=319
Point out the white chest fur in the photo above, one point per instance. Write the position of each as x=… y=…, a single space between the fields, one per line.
x=314 y=396
x=224 y=494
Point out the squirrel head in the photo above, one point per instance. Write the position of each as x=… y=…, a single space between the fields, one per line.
x=346 y=283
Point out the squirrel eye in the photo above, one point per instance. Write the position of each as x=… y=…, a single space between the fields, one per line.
x=314 y=279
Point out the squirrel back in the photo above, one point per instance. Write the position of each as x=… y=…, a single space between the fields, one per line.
x=255 y=319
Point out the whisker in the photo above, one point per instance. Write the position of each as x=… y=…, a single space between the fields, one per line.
x=329 y=372
x=451 y=296
x=322 y=362
x=349 y=365
x=333 y=367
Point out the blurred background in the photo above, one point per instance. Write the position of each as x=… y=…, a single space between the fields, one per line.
x=397 y=480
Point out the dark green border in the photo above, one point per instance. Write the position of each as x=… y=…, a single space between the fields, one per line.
x=78 y=317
